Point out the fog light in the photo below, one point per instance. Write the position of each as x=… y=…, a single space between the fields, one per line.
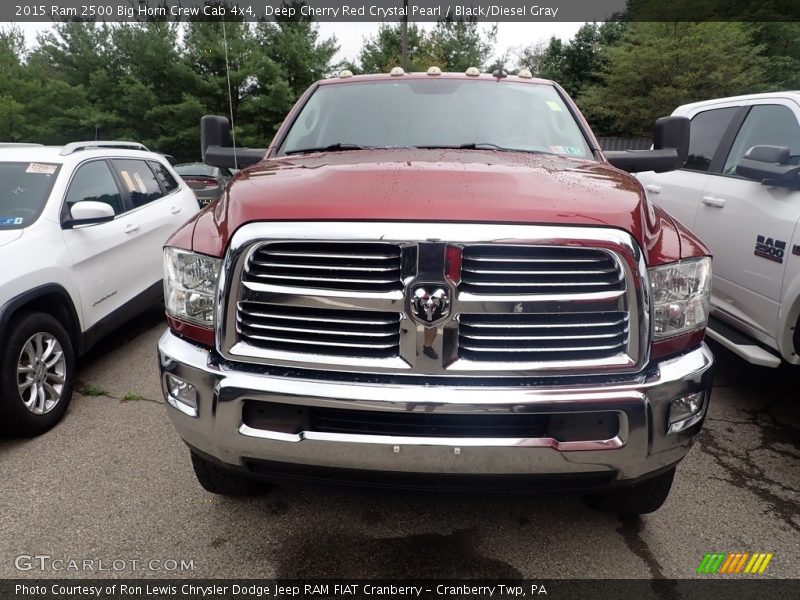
x=685 y=411
x=181 y=394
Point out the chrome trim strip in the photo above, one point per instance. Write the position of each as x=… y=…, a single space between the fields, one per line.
x=614 y=443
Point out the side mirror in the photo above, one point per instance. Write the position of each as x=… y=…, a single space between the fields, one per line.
x=770 y=166
x=670 y=149
x=216 y=148
x=88 y=212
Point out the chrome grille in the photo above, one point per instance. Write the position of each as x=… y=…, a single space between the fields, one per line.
x=327 y=265
x=335 y=296
x=516 y=269
x=541 y=337
x=319 y=331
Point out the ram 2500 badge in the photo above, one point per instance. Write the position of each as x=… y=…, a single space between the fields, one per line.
x=437 y=279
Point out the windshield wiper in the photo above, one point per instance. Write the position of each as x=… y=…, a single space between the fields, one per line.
x=337 y=147
x=482 y=146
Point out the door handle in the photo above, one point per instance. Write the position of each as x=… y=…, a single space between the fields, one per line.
x=656 y=189
x=712 y=201
x=131 y=228
x=174 y=209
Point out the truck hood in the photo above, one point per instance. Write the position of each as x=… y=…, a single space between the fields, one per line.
x=431 y=185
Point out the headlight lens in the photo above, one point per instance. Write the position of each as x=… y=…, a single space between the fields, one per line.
x=681 y=293
x=190 y=281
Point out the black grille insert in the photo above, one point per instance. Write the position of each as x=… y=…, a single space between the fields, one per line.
x=564 y=427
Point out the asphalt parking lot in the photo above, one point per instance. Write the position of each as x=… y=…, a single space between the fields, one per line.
x=114 y=482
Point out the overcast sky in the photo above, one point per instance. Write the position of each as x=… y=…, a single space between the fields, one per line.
x=510 y=36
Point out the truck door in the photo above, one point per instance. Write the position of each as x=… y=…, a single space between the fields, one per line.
x=679 y=192
x=749 y=226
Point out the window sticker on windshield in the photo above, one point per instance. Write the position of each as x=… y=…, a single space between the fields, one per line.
x=557 y=150
x=573 y=150
x=41 y=169
x=11 y=221
x=553 y=105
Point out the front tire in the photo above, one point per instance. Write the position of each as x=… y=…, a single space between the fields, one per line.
x=637 y=499
x=37 y=374
x=217 y=480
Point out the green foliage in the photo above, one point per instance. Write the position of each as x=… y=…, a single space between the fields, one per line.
x=657 y=66
x=450 y=45
x=384 y=51
x=577 y=63
x=150 y=82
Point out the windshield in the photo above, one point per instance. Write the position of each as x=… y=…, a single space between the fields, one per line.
x=437 y=113
x=24 y=189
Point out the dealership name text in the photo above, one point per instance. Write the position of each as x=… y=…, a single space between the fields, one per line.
x=247 y=11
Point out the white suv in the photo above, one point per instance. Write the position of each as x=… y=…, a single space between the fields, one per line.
x=740 y=192
x=81 y=231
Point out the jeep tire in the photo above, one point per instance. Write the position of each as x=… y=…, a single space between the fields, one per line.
x=37 y=374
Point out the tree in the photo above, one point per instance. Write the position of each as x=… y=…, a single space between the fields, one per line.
x=12 y=113
x=450 y=45
x=658 y=66
x=781 y=43
x=71 y=73
x=577 y=63
x=458 y=45
x=292 y=57
x=384 y=50
x=152 y=80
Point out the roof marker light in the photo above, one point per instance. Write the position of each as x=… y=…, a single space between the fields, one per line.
x=433 y=71
x=525 y=74
x=473 y=72
x=397 y=71
x=500 y=74
x=345 y=73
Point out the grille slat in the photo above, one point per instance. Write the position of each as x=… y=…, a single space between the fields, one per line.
x=316 y=331
x=330 y=332
x=277 y=265
x=348 y=266
x=514 y=269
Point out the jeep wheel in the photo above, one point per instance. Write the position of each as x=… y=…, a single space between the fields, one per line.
x=36 y=374
x=638 y=499
x=218 y=480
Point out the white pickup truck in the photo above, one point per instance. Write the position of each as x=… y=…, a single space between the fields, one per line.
x=739 y=191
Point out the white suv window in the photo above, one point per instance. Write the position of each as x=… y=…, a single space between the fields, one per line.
x=707 y=130
x=94 y=181
x=138 y=180
x=765 y=125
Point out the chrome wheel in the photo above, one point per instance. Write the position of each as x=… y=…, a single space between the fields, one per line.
x=41 y=371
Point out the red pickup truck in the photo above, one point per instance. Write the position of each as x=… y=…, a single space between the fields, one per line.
x=438 y=280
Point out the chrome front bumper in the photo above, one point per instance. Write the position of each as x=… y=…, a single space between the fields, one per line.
x=643 y=444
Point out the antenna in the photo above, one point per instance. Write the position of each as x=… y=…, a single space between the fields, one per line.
x=230 y=96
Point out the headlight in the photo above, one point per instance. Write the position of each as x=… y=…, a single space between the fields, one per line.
x=190 y=281
x=681 y=293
